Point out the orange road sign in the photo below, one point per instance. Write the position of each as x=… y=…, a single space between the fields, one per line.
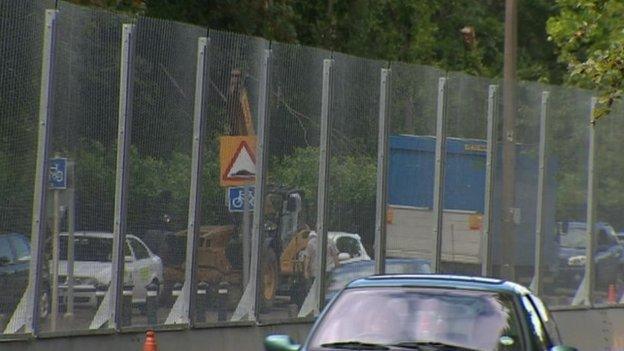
x=237 y=158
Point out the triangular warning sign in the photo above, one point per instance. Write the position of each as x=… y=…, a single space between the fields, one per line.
x=243 y=164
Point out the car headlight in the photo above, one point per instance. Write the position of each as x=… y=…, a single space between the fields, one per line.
x=576 y=261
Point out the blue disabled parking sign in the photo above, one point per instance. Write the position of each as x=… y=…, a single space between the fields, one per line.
x=236 y=198
x=57 y=175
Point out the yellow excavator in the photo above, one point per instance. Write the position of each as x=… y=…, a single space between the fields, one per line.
x=284 y=237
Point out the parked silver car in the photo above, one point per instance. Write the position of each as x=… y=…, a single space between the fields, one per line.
x=93 y=264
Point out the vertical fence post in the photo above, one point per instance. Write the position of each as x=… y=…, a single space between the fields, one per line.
x=194 y=215
x=121 y=178
x=27 y=312
x=590 y=265
x=262 y=153
x=323 y=183
x=486 y=243
x=183 y=310
x=438 y=182
x=249 y=304
x=382 y=174
x=539 y=219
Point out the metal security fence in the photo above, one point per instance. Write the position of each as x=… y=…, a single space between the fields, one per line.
x=157 y=174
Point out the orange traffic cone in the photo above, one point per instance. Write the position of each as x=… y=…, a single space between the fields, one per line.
x=150 y=341
x=612 y=294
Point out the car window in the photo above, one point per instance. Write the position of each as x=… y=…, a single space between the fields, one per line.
x=140 y=251
x=549 y=322
x=535 y=324
x=603 y=238
x=88 y=248
x=574 y=238
x=22 y=250
x=348 y=245
x=127 y=251
x=6 y=255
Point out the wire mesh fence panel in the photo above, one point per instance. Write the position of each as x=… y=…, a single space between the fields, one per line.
x=160 y=163
x=350 y=222
x=608 y=206
x=229 y=166
x=412 y=100
x=465 y=173
x=21 y=30
x=296 y=76
x=514 y=242
x=80 y=218
x=565 y=194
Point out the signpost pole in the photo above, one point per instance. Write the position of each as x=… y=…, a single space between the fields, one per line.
x=56 y=225
x=246 y=234
x=71 y=226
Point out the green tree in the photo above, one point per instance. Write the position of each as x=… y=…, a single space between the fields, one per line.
x=460 y=35
x=352 y=188
x=589 y=36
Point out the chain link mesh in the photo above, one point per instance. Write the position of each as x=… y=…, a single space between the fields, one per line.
x=85 y=115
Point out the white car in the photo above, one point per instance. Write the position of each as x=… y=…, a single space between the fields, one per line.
x=93 y=264
x=349 y=246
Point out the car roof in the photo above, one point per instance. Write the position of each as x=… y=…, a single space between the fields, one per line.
x=440 y=281
x=102 y=235
x=13 y=234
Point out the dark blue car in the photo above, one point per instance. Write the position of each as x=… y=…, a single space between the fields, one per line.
x=572 y=238
x=14 y=268
x=430 y=312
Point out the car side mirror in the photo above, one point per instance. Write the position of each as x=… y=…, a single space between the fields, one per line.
x=563 y=348
x=280 y=343
x=343 y=256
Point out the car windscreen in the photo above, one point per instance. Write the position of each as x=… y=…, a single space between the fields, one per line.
x=574 y=238
x=88 y=249
x=478 y=320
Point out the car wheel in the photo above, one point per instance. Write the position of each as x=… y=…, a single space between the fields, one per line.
x=44 y=303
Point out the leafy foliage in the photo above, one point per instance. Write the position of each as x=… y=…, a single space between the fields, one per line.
x=352 y=187
x=589 y=35
x=414 y=31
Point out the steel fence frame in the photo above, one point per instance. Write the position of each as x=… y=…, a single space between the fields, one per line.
x=249 y=303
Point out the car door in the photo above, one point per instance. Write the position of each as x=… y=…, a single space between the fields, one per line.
x=7 y=262
x=21 y=266
x=608 y=256
x=142 y=272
